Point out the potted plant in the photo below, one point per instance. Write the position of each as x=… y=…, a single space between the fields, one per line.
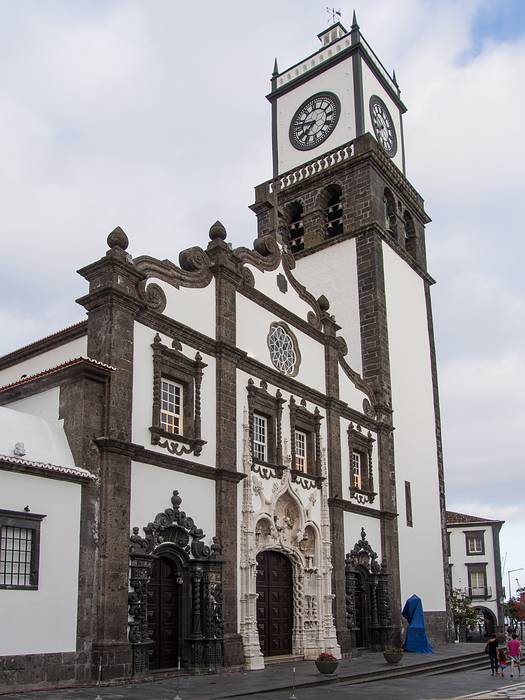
x=393 y=655
x=326 y=662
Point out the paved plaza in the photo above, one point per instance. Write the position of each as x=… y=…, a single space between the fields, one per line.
x=275 y=683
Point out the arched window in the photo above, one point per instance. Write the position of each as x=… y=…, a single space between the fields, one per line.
x=410 y=234
x=389 y=210
x=294 y=213
x=334 y=211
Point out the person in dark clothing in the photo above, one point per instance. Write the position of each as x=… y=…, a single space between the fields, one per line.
x=492 y=651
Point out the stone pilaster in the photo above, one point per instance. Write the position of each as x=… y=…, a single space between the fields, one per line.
x=227 y=278
x=112 y=305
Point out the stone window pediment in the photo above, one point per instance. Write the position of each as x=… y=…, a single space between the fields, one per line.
x=307 y=423
x=263 y=406
x=360 y=453
x=171 y=368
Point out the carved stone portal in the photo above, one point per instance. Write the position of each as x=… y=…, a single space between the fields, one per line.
x=174 y=535
x=368 y=614
x=281 y=522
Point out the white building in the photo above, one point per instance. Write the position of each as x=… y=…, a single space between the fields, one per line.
x=253 y=435
x=475 y=564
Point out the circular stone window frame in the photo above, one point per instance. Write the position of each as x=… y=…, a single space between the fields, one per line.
x=286 y=328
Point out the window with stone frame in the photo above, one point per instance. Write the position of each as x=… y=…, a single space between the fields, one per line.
x=360 y=448
x=19 y=549
x=307 y=424
x=176 y=418
x=171 y=402
x=475 y=542
x=477 y=581
x=260 y=437
x=301 y=452
x=265 y=419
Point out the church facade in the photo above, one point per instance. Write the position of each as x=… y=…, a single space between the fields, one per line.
x=250 y=439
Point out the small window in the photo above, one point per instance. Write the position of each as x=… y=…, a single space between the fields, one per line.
x=301 y=460
x=477 y=581
x=475 y=542
x=408 y=504
x=171 y=407
x=260 y=437
x=19 y=549
x=356 y=470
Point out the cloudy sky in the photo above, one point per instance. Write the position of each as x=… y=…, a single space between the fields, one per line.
x=152 y=116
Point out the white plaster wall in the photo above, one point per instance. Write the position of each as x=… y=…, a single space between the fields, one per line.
x=266 y=282
x=143 y=393
x=345 y=463
x=414 y=436
x=349 y=393
x=253 y=325
x=352 y=529
x=371 y=86
x=194 y=307
x=46 y=404
x=459 y=560
x=339 y=80
x=45 y=620
x=333 y=272
x=151 y=491
x=51 y=358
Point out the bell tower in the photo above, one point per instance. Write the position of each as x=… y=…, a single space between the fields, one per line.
x=340 y=202
x=331 y=97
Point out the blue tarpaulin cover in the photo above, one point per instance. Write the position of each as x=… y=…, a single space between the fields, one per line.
x=416 y=637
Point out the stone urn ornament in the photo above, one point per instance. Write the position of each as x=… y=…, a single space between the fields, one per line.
x=393 y=655
x=326 y=663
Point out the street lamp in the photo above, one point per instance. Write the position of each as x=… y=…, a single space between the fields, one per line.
x=511 y=572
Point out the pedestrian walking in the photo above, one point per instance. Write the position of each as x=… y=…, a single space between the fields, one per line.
x=492 y=650
x=514 y=649
x=503 y=661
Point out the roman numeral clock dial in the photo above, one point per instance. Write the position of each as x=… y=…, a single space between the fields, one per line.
x=314 y=121
x=383 y=125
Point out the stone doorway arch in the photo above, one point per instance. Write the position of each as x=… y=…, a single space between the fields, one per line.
x=275 y=519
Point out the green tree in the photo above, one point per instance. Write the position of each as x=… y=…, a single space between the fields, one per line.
x=463 y=613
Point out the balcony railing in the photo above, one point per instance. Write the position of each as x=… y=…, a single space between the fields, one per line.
x=478 y=591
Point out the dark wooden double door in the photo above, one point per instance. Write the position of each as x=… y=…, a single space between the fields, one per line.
x=164 y=614
x=275 y=603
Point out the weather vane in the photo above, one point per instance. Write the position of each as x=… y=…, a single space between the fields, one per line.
x=333 y=14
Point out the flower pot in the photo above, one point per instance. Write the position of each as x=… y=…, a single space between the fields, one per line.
x=326 y=666
x=393 y=657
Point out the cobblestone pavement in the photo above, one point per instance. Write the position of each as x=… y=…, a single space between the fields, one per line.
x=478 y=685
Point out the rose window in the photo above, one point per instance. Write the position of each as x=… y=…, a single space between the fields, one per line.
x=283 y=349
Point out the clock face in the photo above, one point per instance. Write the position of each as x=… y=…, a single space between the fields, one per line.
x=383 y=125
x=314 y=121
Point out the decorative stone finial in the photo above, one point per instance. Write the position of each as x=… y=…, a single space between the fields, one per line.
x=354 y=22
x=323 y=302
x=275 y=69
x=118 y=239
x=19 y=450
x=217 y=232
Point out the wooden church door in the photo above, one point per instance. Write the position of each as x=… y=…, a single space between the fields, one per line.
x=163 y=613
x=275 y=603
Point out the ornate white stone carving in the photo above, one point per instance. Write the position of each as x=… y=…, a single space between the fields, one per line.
x=284 y=524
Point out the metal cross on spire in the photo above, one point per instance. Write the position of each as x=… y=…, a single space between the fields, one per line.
x=333 y=15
